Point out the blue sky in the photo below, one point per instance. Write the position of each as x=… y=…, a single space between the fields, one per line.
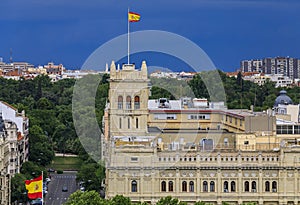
x=68 y=31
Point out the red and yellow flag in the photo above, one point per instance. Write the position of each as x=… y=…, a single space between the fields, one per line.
x=133 y=17
x=35 y=187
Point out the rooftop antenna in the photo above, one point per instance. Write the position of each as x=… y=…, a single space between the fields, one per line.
x=10 y=56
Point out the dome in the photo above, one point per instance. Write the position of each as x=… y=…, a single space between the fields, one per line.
x=283 y=99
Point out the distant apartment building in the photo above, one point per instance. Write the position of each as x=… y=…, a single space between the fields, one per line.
x=54 y=69
x=285 y=66
x=15 y=68
x=261 y=79
x=40 y=70
x=176 y=75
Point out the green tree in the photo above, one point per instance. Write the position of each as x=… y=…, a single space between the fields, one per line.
x=157 y=92
x=31 y=170
x=91 y=175
x=18 y=190
x=120 y=199
x=40 y=150
x=168 y=200
x=85 y=198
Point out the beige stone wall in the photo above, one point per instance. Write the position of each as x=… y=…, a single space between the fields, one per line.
x=126 y=118
x=182 y=121
x=260 y=124
x=293 y=111
x=239 y=168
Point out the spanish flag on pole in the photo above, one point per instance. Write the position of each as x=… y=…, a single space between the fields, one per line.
x=133 y=17
x=35 y=187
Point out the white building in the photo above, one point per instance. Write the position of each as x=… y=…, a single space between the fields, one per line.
x=22 y=122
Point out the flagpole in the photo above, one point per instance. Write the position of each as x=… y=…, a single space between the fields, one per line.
x=128 y=38
x=42 y=187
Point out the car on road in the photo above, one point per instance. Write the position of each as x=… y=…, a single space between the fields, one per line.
x=51 y=170
x=48 y=180
x=37 y=201
x=64 y=188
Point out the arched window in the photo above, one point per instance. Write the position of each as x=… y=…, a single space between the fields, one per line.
x=128 y=102
x=232 y=186
x=267 y=186
x=253 y=186
x=133 y=186
x=184 y=186
x=171 y=186
x=212 y=186
x=246 y=188
x=137 y=102
x=163 y=186
x=274 y=186
x=191 y=186
x=226 y=186
x=120 y=102
x=205 y=186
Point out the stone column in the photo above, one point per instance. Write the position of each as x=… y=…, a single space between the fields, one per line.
x=296 y=176
x=240 y=185
x=198 y=182
x=260 y=186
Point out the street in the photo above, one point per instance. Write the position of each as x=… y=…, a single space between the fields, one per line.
x=55 y=195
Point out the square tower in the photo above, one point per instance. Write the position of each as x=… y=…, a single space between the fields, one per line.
x=128 y=99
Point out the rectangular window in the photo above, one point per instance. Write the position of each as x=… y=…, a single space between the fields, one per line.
x=165 y=116
x=128 y=105
x=198 y=117
x=137 y=123
x=120 y=123
x=171 y=117
x=134 y=159
x=246 y=142
x=128 y=123
x=136 y=105
x=120 y=105
x=226 y=141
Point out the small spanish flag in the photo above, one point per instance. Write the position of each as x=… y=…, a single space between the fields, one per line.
x=133 y=17
x=35 y=187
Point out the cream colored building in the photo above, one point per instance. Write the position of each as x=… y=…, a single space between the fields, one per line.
x=9 y=162
x=13 y=147
x=193 y=150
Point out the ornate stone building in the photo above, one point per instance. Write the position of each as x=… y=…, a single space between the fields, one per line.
x=13 y=147
x=192 y=149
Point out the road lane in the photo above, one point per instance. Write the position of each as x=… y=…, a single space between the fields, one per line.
x=55 y=195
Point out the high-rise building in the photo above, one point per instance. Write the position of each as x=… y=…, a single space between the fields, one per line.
x=280 y=65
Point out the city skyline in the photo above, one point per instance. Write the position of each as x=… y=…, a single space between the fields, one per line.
x=228 y=31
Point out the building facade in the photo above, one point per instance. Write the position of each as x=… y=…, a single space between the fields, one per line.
x=192 y=149
x=13 y=147
x=9 y=161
